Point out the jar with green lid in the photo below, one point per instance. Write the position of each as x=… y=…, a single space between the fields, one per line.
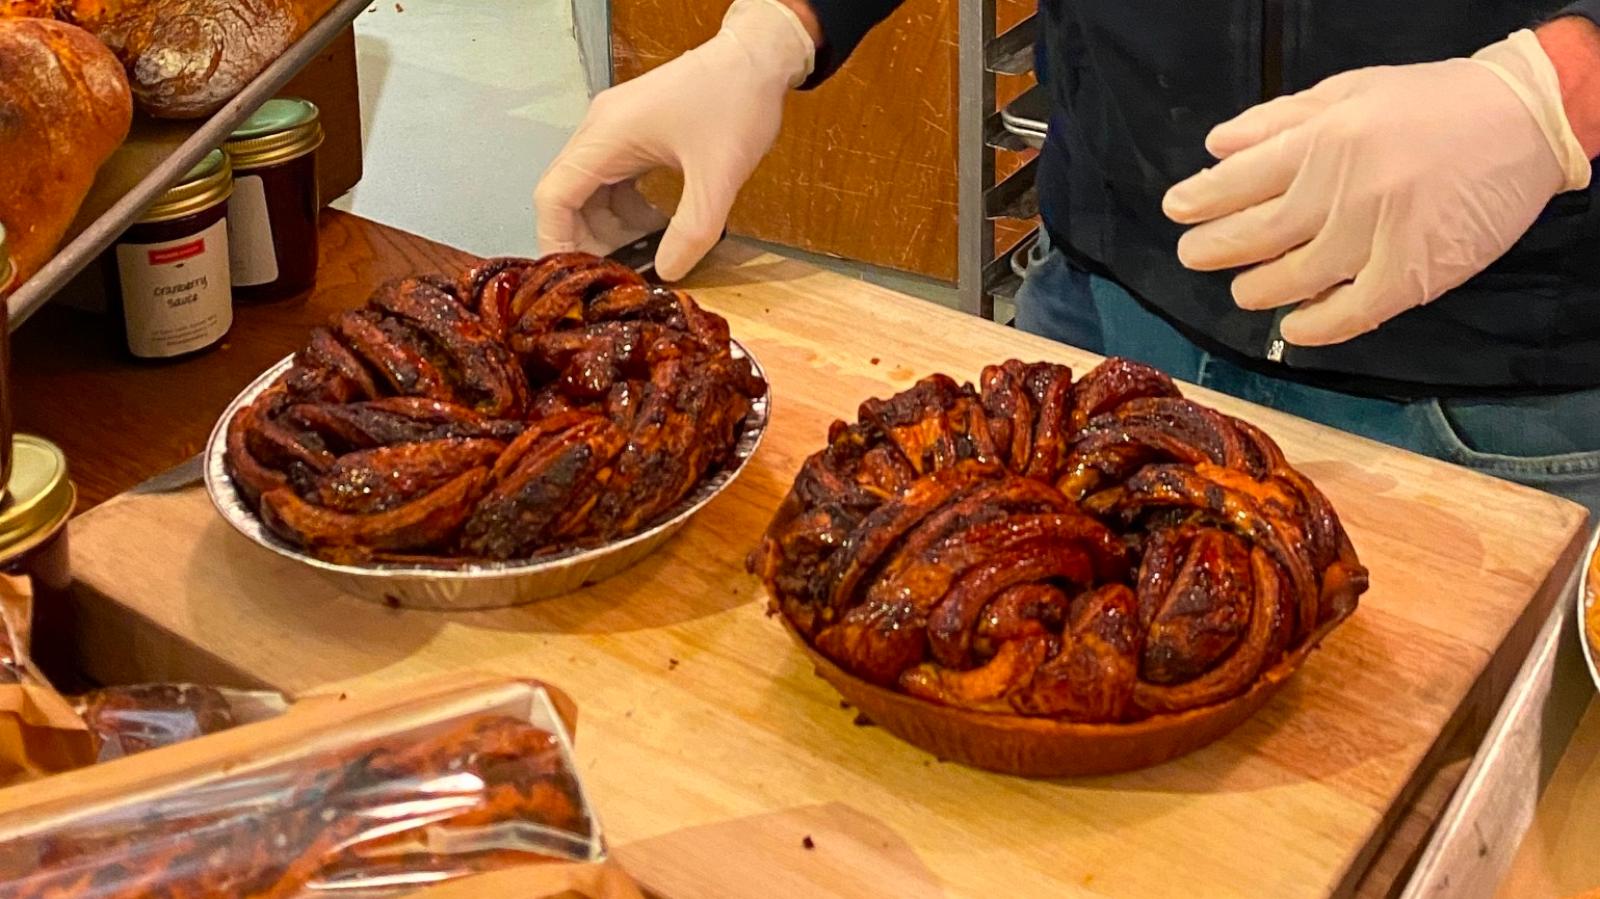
x=272 y=216
x=33 y=542
x=172 y=267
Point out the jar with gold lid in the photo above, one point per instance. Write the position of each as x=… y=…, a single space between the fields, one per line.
x=172 y=267
x=272 y=216
x=33 y=541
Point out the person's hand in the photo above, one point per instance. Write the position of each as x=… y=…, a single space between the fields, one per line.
x=1380 y=189
x=712 y=114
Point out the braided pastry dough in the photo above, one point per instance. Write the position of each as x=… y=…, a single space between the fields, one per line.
x=528 y=406
x=1098 y=551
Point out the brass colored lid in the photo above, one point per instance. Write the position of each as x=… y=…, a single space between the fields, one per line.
x=210 y=182
x=5 y=263
x=281 y=130
x=39 y=495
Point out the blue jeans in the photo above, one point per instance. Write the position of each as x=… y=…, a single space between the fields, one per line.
x=1549 y=442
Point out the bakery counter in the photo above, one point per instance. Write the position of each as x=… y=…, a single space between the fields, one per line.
x=721 y=765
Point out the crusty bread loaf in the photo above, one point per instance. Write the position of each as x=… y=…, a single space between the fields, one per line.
x=186 y=58
x=64 y=107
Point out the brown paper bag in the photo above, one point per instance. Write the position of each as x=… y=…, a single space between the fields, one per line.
x=40 y=734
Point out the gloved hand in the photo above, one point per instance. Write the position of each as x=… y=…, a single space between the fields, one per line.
x=1380 y=189
x=712 y=114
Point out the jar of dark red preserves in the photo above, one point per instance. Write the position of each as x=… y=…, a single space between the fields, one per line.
x=7 y=271
x=174 y=291
x=8 y=277
x=33 y=541
x=272 y=216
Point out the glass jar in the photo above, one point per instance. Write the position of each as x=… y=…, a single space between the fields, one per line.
x=172 y=267
x=272 y=216
x=7 y=272
x=8 y=275
x=33 y=542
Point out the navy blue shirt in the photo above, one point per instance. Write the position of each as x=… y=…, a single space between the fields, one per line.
x=1133 y=96
x=846 y=22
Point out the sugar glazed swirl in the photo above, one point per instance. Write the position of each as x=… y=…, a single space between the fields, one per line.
x=1098 y=551
x=527 y=406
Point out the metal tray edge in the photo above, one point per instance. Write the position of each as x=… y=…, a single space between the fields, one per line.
x=1590 y=657
x=560 y=567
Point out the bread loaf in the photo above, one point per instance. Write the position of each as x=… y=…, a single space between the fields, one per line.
x=64 y=107
x=186 y=58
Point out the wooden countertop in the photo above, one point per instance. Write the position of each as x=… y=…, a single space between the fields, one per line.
x=711 y=749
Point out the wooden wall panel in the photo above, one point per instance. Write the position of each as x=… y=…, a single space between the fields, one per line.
x=866 y=165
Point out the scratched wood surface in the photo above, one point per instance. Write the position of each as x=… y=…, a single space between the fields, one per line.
x=712 y=751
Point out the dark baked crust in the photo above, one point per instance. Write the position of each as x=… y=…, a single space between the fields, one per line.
x=64 y=107
x=526 y=406
x=1093 y=551
x=185 y=58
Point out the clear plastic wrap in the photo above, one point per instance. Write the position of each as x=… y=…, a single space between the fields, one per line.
x=141 y=717
x=365 y=799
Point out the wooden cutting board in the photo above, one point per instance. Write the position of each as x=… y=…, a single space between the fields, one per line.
x=722 y=767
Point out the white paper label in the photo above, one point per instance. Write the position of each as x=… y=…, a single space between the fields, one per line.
x=251 y=252
x=176 y=296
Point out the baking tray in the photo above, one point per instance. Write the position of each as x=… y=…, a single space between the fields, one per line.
x=1017 y=197
x=1012 y=53
x=479 y=585
x=156 y=154
x=1028 y=116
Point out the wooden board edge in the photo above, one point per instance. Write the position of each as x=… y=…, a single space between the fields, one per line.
x=115 y=644
x=1462 y=735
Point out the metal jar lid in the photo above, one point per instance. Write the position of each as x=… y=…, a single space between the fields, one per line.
x=6 y=268
x=39 y=496
x=281 y=130
x=209 y=183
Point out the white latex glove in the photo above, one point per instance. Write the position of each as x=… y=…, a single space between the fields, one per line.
x=712 y=114
x=1380 y=189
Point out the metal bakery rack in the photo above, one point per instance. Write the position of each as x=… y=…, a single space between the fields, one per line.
x=984 y=273
x=155 y=155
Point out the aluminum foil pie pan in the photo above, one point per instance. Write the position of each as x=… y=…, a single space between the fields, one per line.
x=1586 y=589
x=476 y=585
